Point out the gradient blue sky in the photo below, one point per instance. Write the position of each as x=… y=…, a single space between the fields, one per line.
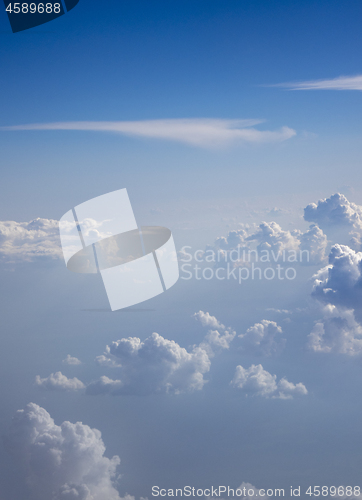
x=138 y=60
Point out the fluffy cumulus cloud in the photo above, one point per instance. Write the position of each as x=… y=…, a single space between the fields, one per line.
x=202 y=132
x=340 y=283
x=207 y=320
x=59 y=382
x=339 y=215
x=71 y=360
x=338 y=290
x=63 y=462
x=246 y=491
x=338 y=332
x=263 y=338
x=272 y=243
x=156 y=365
x=270 y=236
x=218 y=337
x=28 y=241
x=255 y=381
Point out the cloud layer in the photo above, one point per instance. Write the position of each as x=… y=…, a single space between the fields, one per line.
x=63 y=462
x=202 y=132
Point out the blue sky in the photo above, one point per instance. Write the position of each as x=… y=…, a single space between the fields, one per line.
x=137 y=64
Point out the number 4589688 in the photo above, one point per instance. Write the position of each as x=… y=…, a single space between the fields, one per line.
x=33 y=8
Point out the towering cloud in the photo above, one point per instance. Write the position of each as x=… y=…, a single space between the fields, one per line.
x=338 y=217
x=338 y=287
x=340 y=283
x=63 y=462
x=201 y=132
x=28 y=241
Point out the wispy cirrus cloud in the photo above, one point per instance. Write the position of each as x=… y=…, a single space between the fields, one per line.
x=201 y=132
x=339 y=83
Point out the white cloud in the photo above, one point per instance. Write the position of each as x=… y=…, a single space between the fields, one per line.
x=337 y=332
x=256 y=381
x=28 y=241
x=63 y=462
x=263 y=338
x=334 y=211
x=59 y=382
x=207 y=320
x=340 y=283
x=270 y=236
x=202 y=132
x=156 y=365
x=214 y=340
x=315 y=242
x=338 y=287
x=70 y=360
x=272 y=243
x=339 y=83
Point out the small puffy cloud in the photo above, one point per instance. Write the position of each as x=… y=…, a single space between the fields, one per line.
x=256 y=381
x=218 y=337
x=263 y=338
x=63 y=462
x=337 y=332
x=207 y=320
x=156 y=365
x=29 y=241
x=70 y=360
x=339 y=83
x=59 y=382
x=202 y=132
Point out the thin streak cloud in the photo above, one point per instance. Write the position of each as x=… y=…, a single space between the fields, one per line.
x=340 y=83
x=196 y=132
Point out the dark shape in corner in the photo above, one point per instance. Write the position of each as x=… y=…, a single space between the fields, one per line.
x=26 y=15
x=70 y=4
